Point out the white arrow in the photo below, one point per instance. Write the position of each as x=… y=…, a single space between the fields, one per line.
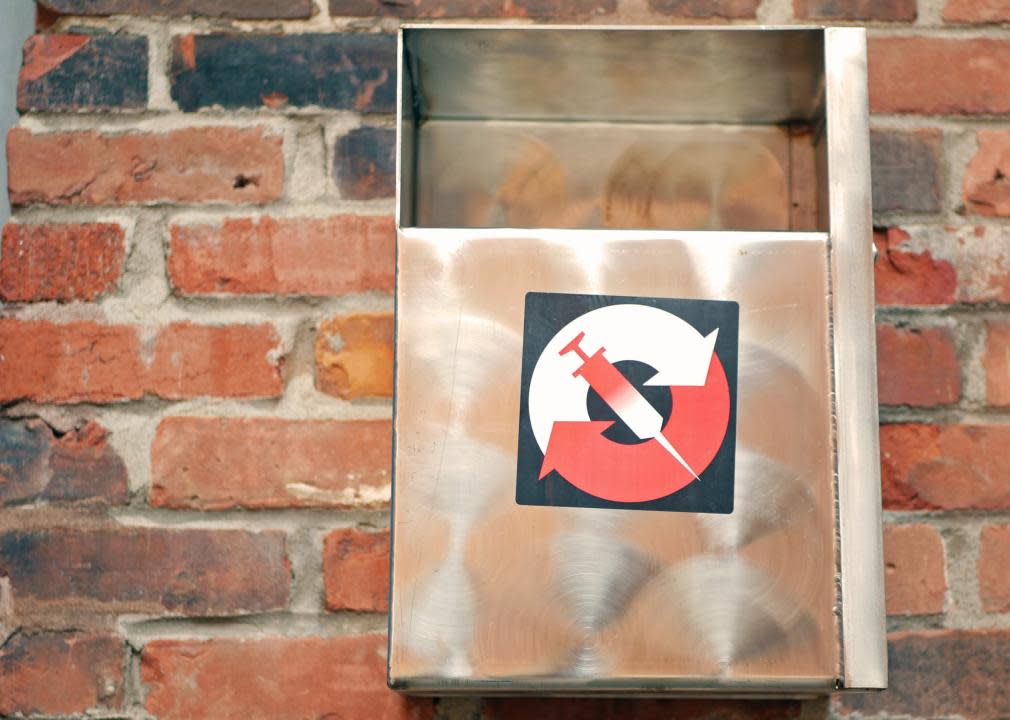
x=687 y=366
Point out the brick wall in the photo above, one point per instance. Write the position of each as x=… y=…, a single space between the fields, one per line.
x=198 y=283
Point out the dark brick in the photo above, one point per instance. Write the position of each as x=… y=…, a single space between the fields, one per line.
x=147 y=570
x=83 y=72
x=80 y=465
x=701 y=9
x=894 y=10
x=906 y=170
x=472 y=8
x=942 y=673
x=596 y=709
x=364 y=163
x=60 y=673
x=345 y=71
x=238 y=9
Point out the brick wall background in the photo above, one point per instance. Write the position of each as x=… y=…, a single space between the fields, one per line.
x=195 y=357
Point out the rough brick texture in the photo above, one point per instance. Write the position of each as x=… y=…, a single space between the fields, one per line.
x=239 y=9
x=354 y=355
x=218 y=463
x=945 y=467
x=939 y=75
x=917 y=366
x=60 y=673
x=915 y=574
x=993 y=578
x=194 y=165
x=230 y=679
x=942 y=673
x=997 y=363
x=364 y=163
x=356 y=570
x=60 y=262
x=706 y=9
x=149 y=570
x=37 y=465
x=83 y=72
x=987 y=180
x=977 y=11
x=894 y=10
x=437 y=9
x=344 y=71
x=908 y=278
x=906 y=169
x=284 y=256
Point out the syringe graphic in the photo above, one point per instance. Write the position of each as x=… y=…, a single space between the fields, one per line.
x=636 y=412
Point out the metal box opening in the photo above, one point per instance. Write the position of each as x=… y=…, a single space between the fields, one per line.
x=681 y=129
x=552 y=180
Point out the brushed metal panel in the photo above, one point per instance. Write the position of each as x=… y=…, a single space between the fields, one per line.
x=491 y=596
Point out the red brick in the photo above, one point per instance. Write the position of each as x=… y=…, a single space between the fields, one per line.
x=945 y=467
x=60 y=673
x=917 y=366
x=906 y=170
x=193 y=165
x=79 y=465
x=219 y=463
x=705 y=9
x=73 y=362
x=997 y=363
x=910 y=278
x=994 y=568
x=437 y=9
x=938 y=76
x=60 y=262
x=287 y=256
x=230 y=679
x=942 y=673
x=977 y=11
x=146 y=570
x=893 y=10
x=354 y=355
x=238 y=9
x=356 y=570
x=596 y=709
x=915 y=574
x=228 y=361
x=987 y=180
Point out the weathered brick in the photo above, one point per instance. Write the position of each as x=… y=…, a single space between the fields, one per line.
x=915 y=574
x=942 y=673
x=976 y=11
x=906 y=170
x=193 y=165
x=917 y=366
x=238 y=9
x=364 y=163
x=997 y=363
x=356 y=570
x=354 y=355
x=703 y=9
x=218 y=463
x=232 y=679
x=597 y=708
x=993 y=576
x=60 y=262
x=83 y=72
x=945 y=467
x=472 y=8
x=60 y=673
x=344 y=71
x=892 y=10
x=149 y=570
x=79 y=465
x=938 y=76
x=910 y=278
x=987 y=180
x=72 y=362
x=223 y=361
x=288 y=256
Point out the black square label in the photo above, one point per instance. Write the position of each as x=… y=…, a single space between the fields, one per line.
x=628 y=402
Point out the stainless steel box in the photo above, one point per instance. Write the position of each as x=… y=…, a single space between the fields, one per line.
x=670 y=171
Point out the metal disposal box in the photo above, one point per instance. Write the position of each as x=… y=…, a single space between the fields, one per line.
x=635 y=397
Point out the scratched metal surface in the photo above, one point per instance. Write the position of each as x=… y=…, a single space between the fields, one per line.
x=491 y=596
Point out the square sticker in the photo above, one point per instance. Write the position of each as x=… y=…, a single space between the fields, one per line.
x=628 y=402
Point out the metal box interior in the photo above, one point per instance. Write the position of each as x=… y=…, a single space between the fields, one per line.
x=702 y=163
